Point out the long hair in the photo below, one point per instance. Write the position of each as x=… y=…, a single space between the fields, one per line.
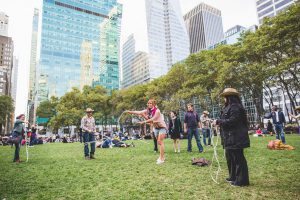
x=234 y=99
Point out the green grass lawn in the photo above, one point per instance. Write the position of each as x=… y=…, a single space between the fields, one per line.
x=59 y=171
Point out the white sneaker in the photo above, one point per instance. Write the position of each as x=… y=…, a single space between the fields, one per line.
x=160 y=161
x=178 y=151
x=175 y=151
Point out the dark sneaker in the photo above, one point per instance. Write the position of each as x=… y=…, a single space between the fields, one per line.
x=92 y=156
x=87 y=158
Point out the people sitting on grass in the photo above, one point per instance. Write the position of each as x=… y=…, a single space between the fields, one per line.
x=115 y=142
x=259 y=132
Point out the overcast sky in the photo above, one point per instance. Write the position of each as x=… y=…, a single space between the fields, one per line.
x=20 y=12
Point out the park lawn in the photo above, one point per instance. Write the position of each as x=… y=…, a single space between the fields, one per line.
x=59 y=171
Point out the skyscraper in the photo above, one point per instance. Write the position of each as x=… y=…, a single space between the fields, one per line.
x=76 y=40
x=108 y=73
x=135 y=65
x=270 y=8
x=167 y=36
x=33 y=54
x=128 y=52
x=32 y=74
x=204 y=25
x=6 y=64
x=14 y=79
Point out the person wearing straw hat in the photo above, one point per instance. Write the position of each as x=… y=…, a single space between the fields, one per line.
x=234 y=130
x=296 y=117
x=88 y=128
x=205 y=122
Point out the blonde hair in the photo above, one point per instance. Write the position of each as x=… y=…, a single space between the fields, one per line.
x=153 y=101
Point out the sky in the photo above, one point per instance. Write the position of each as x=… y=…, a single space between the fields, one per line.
x=234 y=12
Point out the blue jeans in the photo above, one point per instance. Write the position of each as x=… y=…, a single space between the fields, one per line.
x=206 y=134
x=279 y=132
x=89 y=137
x=191 y=132
x=17 y=151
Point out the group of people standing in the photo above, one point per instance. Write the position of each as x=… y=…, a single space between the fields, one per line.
x=233 y=125
x=233 y=128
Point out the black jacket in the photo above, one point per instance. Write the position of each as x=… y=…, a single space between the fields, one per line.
x=234 y=127
x=176 y=128
x=272 y=115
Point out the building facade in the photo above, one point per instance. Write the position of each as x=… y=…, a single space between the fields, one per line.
x=14 y=79
x=168 y=41
x=108 y=73
x=128 y=52
x=232 y=35
x=270 y=8
x=140 y=68
x=204 y=25
x=75 y=43
x=4 y=24
x=31 y=107
x=6 y=64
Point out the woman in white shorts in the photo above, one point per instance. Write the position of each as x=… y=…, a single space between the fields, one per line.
x=153 y=116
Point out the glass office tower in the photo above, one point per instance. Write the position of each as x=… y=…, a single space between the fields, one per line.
x=167 y=36
x=72 y=45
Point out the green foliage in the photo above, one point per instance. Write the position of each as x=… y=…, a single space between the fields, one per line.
x=6 y=109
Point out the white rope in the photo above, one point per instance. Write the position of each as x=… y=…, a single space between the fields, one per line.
x=26 y=147
x=214 y=157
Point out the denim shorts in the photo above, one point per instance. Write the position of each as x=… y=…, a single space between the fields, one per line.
x=159 y=131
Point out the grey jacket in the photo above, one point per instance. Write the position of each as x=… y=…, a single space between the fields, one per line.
x=19 y=126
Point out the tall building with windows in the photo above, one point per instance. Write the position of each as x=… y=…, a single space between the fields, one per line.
x=167 y=36
x=78 y=38
x=108 y=73
x=33 y=54
x=135 y=65
x=204 y=25
x=128 y=52
x=14 y=79
x=270 y=8
x=6 y=64
x=31 y=107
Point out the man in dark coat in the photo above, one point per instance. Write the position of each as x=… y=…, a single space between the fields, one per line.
x=234 y=131
x=278 y=121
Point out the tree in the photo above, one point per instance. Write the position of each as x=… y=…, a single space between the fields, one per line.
x=6 y=109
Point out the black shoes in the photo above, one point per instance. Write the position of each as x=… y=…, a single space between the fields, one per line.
x=92 y=156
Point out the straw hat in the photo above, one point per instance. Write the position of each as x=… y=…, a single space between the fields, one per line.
x=206 y=112
x=297 y=108
x=89 y=110
x=229 y=91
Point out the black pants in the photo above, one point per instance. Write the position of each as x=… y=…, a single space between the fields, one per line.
x=237 y=166
x=155 y=142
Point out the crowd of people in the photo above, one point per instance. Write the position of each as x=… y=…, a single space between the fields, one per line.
x=233 y=126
